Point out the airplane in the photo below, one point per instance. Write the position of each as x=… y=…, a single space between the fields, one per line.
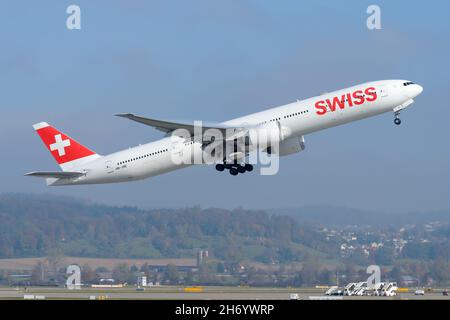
x=287 y=124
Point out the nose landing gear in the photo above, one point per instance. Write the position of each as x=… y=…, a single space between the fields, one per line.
x=397 y=120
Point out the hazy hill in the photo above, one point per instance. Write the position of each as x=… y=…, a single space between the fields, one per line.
x=342 y=216
x=36 y=225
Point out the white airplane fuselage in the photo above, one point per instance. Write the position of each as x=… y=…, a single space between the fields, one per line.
x=296 y=119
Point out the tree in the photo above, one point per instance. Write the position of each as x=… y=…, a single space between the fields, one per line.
x=101 y=269
x=396 y=273
x=172 y=274
x=88 y=276
x=220 y=268
x=350 y=272
x=189 y=277
x=309 y=272
x=327 y=277
x=121 y=273
x=54 y=258
x=205 y=273
x=440 y=271
x=134 y=269
x=38 y=273
x=384 y=255
x=358 y=257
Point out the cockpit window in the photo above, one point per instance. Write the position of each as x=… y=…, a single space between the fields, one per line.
x=407 y=83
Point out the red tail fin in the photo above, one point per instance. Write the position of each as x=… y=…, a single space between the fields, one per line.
x=64 y=149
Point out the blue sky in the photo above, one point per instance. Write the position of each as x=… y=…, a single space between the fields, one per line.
x=216 y=60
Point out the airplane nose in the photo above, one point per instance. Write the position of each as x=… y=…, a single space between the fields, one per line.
x=414 y=90
x=419 y=89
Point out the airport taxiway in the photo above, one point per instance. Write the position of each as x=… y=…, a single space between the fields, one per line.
x=205 y=293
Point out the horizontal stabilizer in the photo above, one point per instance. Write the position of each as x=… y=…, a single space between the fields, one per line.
x=55 y=174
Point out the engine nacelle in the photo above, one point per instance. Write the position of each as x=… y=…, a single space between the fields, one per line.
x=274 y=138
x=265 y=136
x=289 y=146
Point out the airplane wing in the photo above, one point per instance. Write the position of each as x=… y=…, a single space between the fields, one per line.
x=167 y=126
x=55 y=174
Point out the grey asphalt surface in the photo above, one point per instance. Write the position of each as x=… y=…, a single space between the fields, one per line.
x=215 y=293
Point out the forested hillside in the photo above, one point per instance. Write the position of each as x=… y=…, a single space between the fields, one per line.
x=34 y=226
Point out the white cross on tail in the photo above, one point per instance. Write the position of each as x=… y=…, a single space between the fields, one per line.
x=60 y=145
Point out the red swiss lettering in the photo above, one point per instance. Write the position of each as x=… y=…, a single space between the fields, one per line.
x=336 y=101
x=320 y=106
x=372 y=93
x=358 y=96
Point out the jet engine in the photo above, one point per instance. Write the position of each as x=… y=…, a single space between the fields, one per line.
x=288 y=146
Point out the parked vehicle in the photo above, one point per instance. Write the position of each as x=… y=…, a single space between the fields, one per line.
x=349 y=288
x=389 y=289
x=294 y=296
x=360 y=292
x=331 y=290
x=377 y=290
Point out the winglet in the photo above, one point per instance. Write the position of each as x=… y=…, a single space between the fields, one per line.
x=124 y=115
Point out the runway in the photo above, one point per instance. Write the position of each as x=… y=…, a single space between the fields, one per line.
x=206 y=293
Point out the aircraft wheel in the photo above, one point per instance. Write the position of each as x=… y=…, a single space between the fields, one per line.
x=220 y=167
x=241 y=169
x=397 y=121
x=233 y=171
x=248 y=167
x=227 y=166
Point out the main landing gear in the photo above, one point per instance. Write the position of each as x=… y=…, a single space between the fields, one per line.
x=235 y=168
x=397 y=120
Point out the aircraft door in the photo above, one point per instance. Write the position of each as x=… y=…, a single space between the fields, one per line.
x=109 y=166
x=383 y=91
x=177 y=150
